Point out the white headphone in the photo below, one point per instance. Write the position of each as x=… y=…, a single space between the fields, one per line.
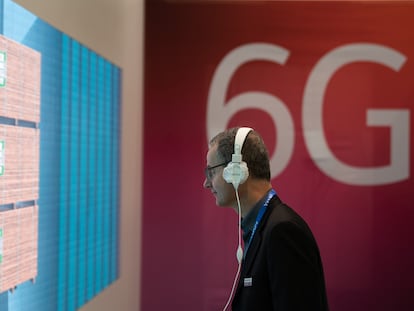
x=236 y=172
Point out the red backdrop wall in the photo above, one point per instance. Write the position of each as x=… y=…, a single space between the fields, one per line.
x=330 y=87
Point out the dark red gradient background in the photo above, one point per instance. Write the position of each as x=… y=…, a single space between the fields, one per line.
x=365 y=233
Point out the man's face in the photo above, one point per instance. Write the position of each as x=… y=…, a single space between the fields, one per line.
x=223 y=191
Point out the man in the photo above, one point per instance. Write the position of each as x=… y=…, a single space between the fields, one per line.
x=281 y=268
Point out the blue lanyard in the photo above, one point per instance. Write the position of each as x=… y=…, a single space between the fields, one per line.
x=259 y=217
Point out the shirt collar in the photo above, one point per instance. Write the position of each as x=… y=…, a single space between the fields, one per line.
x=248 y=222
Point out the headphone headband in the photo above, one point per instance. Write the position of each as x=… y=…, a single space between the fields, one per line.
x=241 y=136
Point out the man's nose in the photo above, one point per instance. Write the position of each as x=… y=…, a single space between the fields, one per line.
x=207 y=183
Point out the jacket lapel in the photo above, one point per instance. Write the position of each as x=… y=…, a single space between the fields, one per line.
x=252 y=252
x=257 y=239
x=255 y=245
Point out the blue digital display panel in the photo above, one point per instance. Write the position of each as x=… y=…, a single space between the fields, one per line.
x=79 y=165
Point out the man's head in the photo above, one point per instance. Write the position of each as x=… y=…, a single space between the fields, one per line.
x=221 y=148
x=254 y=152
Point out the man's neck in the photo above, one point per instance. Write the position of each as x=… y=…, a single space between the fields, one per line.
x=251 y=193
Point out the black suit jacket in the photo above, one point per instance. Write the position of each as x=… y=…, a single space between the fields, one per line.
x=282 y=269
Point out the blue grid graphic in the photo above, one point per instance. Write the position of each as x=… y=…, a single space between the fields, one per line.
x=79 y=168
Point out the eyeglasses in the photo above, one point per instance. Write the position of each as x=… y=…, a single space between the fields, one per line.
x=209 y=170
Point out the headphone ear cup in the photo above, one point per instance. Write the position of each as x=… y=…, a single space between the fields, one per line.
x=227 y=173
x=236 y=173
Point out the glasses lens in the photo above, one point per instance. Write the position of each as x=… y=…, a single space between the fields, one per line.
x=209 y=171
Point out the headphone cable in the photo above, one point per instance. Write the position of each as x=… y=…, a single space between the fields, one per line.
x=239 y=255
